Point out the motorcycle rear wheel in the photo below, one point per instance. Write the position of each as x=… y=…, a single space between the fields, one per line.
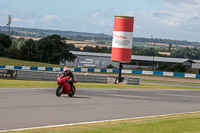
x=59 y=91
x=72 y=92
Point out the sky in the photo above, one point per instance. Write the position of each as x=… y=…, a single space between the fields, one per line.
x=166 y=19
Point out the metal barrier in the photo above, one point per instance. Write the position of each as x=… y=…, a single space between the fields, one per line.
x=36 y=75
x=132 y=81
x=8 y=73
x=91 y=79
x=52 y=76
x=187 y=75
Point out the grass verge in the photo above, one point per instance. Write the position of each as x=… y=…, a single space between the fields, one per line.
x=160 y=81
x=14 y=62
x=162 y=124
x=52 y=84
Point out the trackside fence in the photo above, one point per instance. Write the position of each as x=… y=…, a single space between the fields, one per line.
x=52 y=76
x=172 y=74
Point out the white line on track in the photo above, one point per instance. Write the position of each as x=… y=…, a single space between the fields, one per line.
x=91 y=122
x=181 y=95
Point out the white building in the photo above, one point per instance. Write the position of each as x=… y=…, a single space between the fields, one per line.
x=102 y=60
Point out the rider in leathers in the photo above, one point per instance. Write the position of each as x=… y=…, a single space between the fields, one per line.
x=67 y=72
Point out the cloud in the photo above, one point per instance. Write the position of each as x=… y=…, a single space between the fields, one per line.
x=136 y=26
x=190 y=2
x=166 y=18
x=186 y=13
x=50 y=17
x=3 y=5
x=26 y=19
x=103 y=14
x=177 y=19
x=162 y=18
x=170 y=23
x=130 y=13
x=161 y=14
x=32 y=20
x=100 y=23
x=176 y=14
x=16 y=20
x=96 y=14
x=186 y=6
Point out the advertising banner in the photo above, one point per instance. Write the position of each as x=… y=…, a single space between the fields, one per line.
x=122 y=39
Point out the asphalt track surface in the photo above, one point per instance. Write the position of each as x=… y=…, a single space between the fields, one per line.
x=26 y=108
x=177 y=84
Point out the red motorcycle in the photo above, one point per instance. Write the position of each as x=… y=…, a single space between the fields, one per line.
x=64 y=87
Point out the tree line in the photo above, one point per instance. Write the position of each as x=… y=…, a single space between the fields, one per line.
x=189 y=53
x=178 y=67
x=51 y=49
x=88 y=36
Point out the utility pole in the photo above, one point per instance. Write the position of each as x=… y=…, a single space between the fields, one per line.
x=23 y=31
x=120 y=71
x=153 y=51
x=153 y=54
x=9 y=22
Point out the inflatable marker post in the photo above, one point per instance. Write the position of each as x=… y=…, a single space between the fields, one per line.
x=122 y=40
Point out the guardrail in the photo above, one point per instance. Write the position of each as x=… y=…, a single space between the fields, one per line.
x=174 y=74
x=91 y=78
x=8 y=73
x=132 y=81
x=52 y=76
x=36 y=75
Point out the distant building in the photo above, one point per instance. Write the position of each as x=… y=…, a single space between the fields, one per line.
x=102 y=60
x=196 y=66
x=89 y=59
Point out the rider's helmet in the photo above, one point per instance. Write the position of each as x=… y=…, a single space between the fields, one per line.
x=66 y=69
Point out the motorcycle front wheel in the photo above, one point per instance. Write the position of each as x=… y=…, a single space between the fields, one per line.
x=59 y=91
x=72 y=92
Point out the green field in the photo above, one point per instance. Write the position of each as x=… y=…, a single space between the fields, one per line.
x=160 y=81
x=14 y=62
x=147 y=45
x=181 y=123
x=52 y=84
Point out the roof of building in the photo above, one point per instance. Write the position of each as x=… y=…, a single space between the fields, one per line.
x=196 y=65
x=196 y=61
x=137 y=57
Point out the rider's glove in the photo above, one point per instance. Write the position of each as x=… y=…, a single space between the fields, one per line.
x=70 y=80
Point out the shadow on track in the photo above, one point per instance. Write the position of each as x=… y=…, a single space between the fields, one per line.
x=78 y=97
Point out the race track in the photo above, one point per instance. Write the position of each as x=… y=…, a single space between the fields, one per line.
x=25 y=107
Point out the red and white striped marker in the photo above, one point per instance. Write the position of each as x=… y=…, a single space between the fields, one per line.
x=122 y=39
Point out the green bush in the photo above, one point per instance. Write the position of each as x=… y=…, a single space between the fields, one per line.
x=110 y=66
x=2 y=50
x=178 y=68
x=164 y=67
x=139 y=68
